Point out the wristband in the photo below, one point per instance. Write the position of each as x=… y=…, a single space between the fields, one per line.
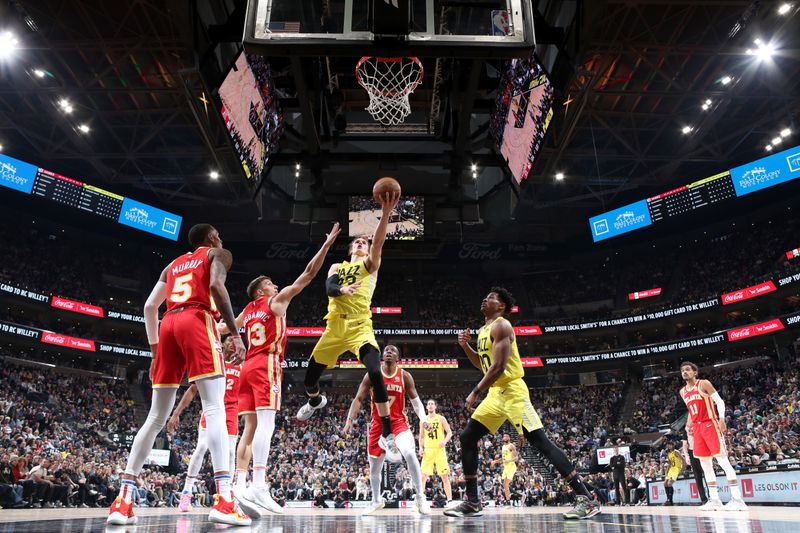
x=477 y=391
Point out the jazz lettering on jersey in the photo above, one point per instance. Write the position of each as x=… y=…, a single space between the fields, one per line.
x=347 y=276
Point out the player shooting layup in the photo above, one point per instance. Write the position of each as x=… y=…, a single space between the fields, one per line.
x=349 y=286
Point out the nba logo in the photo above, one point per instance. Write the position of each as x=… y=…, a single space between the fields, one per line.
x=693 y=494
x=747 y=488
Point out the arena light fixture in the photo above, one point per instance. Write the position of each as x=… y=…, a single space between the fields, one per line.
x=726 y=80
x=559 y=176
x=474 y=167
x=474 y=175
x=84 y=128
x=768 y=148
x=785 y=8
x=1 y=147
x=214 y=175
x=297 y=174
x=785 y=132
x=705 y=106
x=8 y=44
x=297 y=166
x=777 y=140
x=764 y=51
x=39 y=73
x=686 y=130
x=65 y=105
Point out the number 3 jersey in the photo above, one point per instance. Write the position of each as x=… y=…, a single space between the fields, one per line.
x=513 y=365
x=355 y=305
x=266 y=333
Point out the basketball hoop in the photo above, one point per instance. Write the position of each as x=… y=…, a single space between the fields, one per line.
x=388 y=82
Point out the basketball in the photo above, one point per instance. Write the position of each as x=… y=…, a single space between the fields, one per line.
x=384 y=185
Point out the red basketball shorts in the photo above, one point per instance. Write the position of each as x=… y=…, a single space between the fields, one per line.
x=231 y=419
x=708 y=441
x=260 y=386
x=187 y=343
x=399 y=425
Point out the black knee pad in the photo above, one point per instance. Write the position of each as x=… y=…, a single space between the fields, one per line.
x=313 y=373
x=371 y=359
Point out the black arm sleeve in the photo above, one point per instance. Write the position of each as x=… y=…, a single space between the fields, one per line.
x=332 y=287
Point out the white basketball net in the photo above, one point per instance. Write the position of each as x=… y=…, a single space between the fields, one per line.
x=388 y=82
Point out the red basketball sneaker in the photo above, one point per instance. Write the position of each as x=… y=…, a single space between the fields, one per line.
x=227 y=512
x=121 y=513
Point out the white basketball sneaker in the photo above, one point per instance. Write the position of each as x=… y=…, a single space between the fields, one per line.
x=423 y=507
x=713 y=504
x=245 y=501
x=374 y=508
x=307 y=410
x=736 y=504
x=263 y=498
x=389 y=445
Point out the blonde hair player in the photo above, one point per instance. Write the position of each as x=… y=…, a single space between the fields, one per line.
x=433 y=447
x=397 y=382
x=349 y=287
x=706 y=424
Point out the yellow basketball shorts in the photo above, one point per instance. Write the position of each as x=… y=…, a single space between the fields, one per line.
x=435 y=458
x=673 y=473
x=511 y=402
x=509 y=470
x=343 y=335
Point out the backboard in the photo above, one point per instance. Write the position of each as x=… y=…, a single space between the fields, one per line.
x=458 y=28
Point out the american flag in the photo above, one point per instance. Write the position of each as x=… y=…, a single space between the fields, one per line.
x=284 y=27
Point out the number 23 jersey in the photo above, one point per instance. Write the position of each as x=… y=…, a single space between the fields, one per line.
x=356 y=305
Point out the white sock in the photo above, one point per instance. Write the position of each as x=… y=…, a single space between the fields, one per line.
x=711 y=477
x=262 y=438
x=212 y=394
x=232 y=449
x=405 y=443
x=375 y=467
x=241 y=480
x=730 y=475
x=163 y=401
x=196 y=461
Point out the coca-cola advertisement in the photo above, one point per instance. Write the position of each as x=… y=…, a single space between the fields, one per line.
x=77 y=307
x=48 y=337
x=754 y=330
x=387 y=310
x=747 y=293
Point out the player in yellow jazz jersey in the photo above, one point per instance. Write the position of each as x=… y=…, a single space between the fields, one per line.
x=498 y=358
x=510 y=458
x=349 y=287
x=432 y=447
x=675 y=462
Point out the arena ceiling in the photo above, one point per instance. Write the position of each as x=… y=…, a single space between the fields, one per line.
x=141 y=76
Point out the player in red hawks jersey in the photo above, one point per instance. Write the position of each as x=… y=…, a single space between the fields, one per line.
x=187 y=342
x=398 y=382
x=706 y=424
x=232 y=379
x=264 y=321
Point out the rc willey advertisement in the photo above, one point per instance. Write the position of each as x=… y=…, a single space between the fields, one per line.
x=777 y=486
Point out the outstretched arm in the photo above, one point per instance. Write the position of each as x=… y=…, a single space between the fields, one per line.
x=358 y=401
x=388 y=202
x=221 y=261
x=281 y=301
x=186 y=399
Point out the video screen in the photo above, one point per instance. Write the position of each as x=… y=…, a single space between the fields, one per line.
x=524 y=108
x=407 y=222
x=251 y=113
